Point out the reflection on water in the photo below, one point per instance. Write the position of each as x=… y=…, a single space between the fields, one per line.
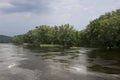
x=23 y=63
x=104 y=61
x=82 y=59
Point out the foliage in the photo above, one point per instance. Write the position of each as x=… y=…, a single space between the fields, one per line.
x=64 y=35
x=18 y=39
x=103 y=32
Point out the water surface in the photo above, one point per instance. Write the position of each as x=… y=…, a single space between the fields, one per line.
x=22 y=63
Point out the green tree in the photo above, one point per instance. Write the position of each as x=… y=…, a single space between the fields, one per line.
x=64 y=35
x=104 y=31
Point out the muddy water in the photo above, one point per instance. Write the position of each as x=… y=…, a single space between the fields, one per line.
x=21 y=63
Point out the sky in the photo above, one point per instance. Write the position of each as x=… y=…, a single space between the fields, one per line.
x=19 y=16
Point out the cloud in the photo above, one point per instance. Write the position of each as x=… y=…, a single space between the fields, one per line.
x=81 y=12
x=19 y=16
x=5 y=5
x=13 y=6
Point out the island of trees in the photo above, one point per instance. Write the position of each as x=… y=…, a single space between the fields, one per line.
x=64 y=35
x=103 y=32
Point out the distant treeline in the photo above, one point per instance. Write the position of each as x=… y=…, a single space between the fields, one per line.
x=103 y=32
x=5 y=39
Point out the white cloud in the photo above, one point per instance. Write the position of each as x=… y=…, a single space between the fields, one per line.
x=5 y=5
x=70 y=11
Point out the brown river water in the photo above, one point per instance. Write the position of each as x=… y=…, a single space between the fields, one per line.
x=22 y=63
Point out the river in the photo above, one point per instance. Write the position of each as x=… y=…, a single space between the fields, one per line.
x=22 y=63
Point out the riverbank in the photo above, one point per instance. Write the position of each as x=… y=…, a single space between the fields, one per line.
x=49 y=46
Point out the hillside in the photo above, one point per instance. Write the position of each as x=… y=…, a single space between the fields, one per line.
x=5 y=39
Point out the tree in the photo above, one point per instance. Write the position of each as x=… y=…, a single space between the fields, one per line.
x=104 y=31
x=18 y=39
x=64 y=35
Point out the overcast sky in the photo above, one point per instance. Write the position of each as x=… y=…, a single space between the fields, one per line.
x=19 y=16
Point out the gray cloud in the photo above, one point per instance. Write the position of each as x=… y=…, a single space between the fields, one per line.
x=19 y=16
x=13 y=6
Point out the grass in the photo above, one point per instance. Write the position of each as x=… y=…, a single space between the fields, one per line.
x=44 y=45
x=74 y=47
x=48 y=45
x=51 y=45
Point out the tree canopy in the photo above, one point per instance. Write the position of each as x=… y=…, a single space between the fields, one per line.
x=103 y=31
x=64 y=35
